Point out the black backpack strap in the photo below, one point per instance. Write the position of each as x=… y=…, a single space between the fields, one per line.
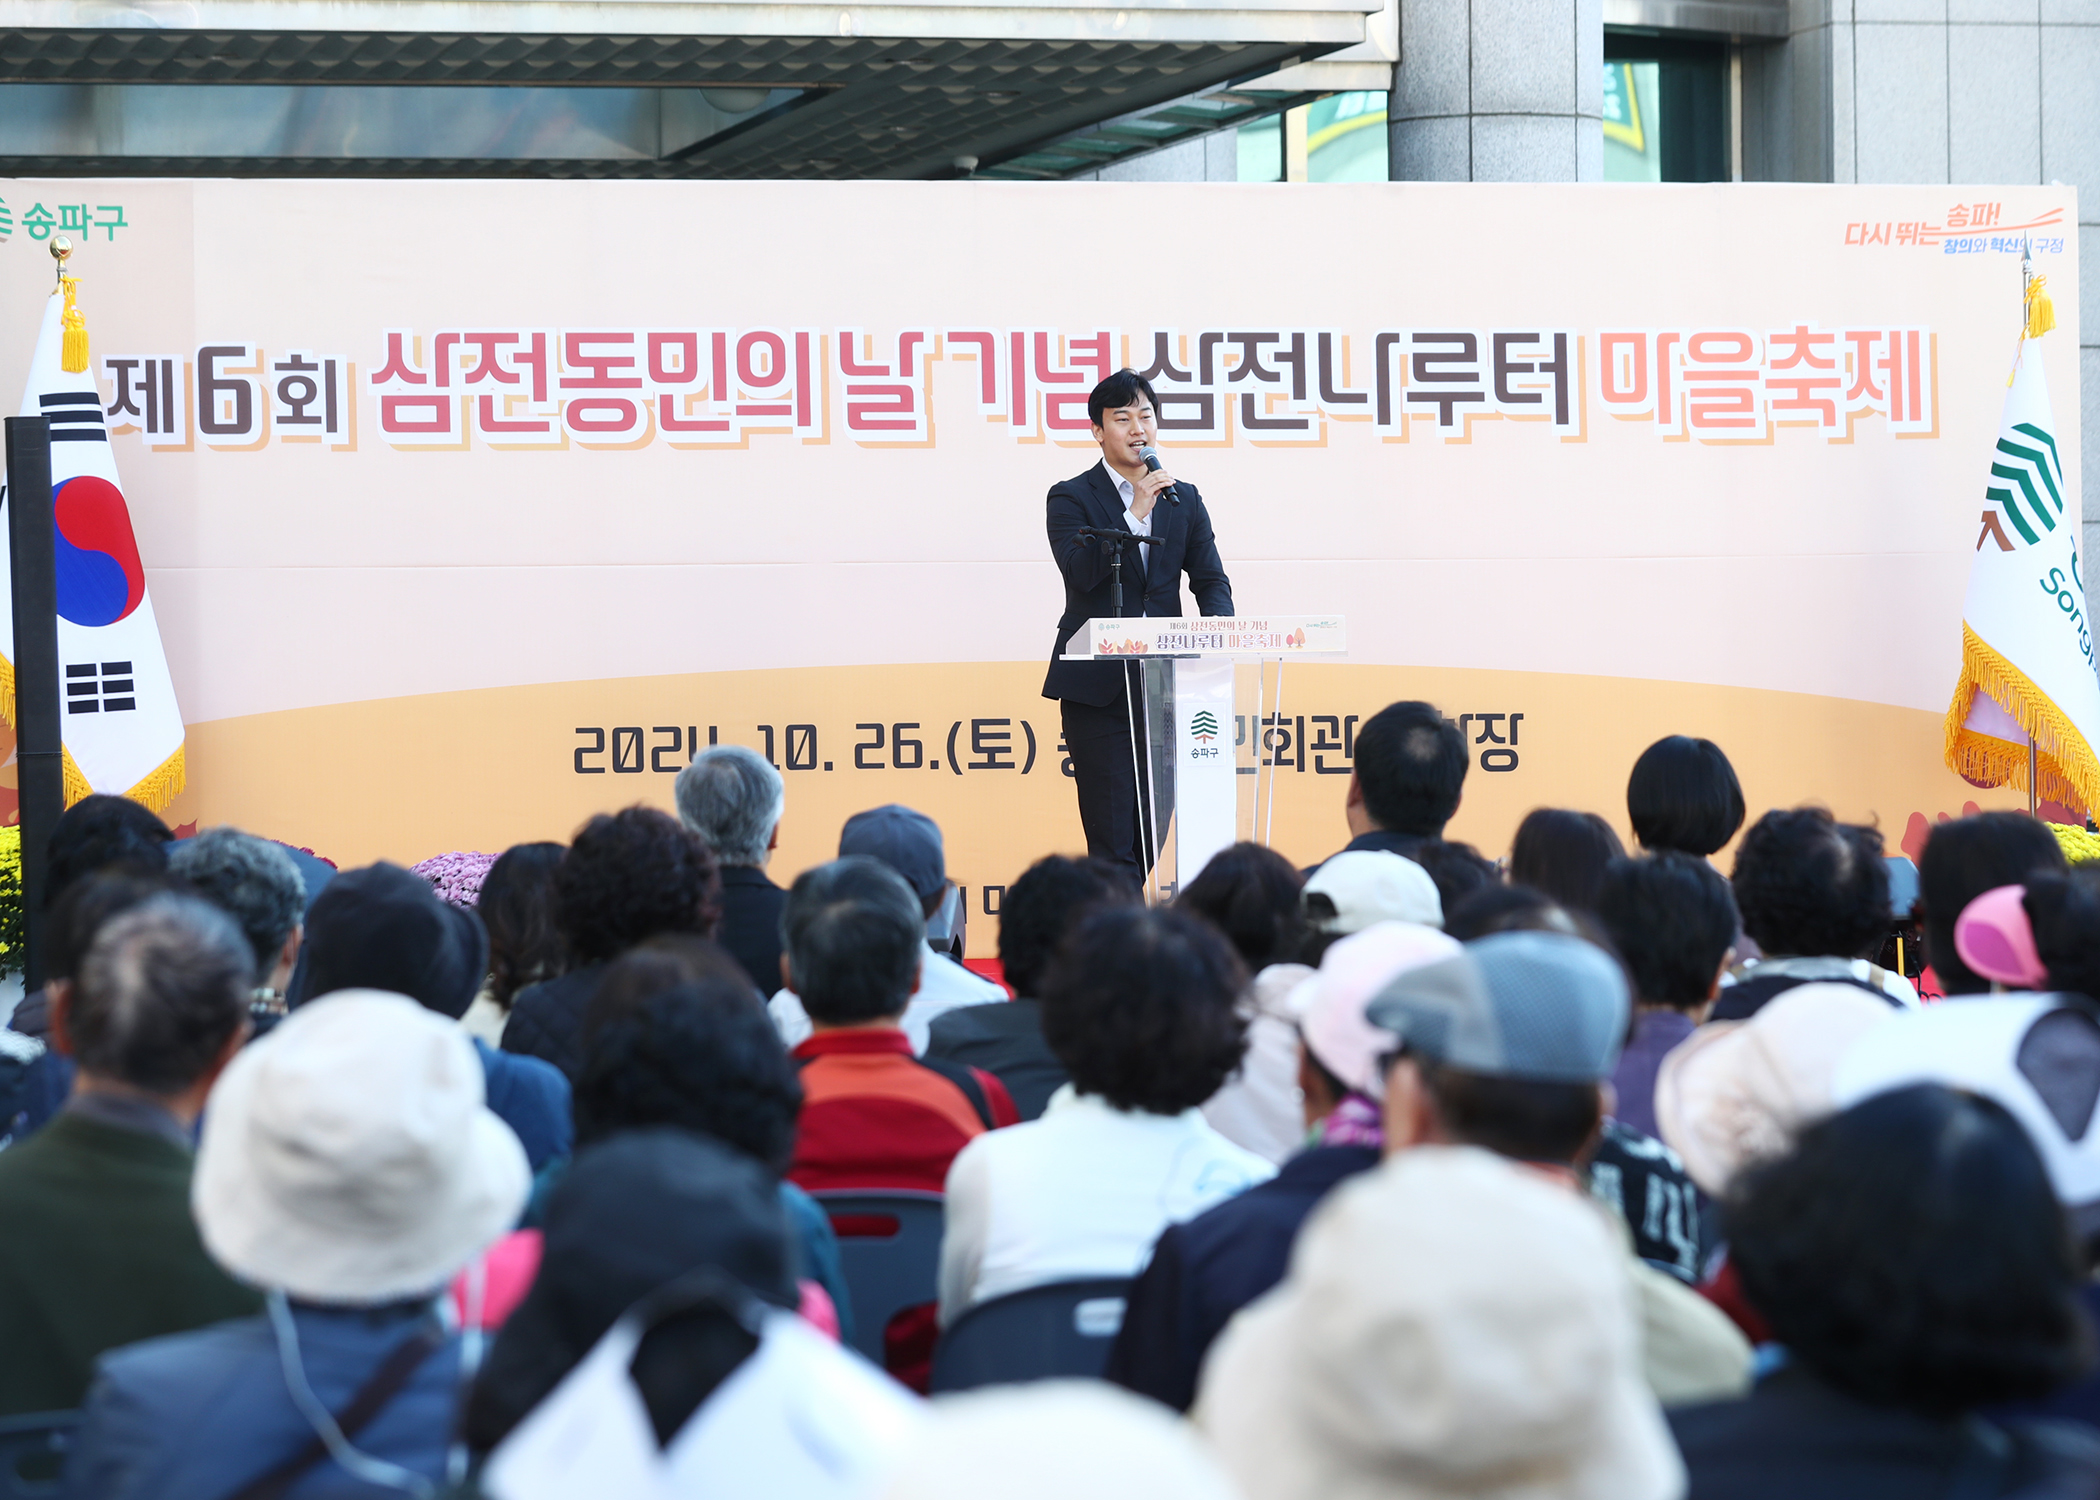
x=964 y=1077
x=384 y=1383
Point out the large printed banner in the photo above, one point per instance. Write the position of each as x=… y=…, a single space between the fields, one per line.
x=470 y=508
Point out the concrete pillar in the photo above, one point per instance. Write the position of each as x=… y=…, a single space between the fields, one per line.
x=1498 y=91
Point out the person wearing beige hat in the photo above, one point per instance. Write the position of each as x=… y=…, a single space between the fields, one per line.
x=1739 y=1092
x=1454 y=1325
x=1055 y=1440
x=349 y=1168
x=1507 y=1047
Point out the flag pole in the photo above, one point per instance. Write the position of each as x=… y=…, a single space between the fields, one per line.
x=2033 y=756
x=40 y=773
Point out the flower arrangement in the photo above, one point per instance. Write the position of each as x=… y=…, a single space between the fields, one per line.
x=457 y=877
x=14 y=935
x=2080 y=847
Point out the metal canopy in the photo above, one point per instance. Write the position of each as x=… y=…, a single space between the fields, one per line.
x=885 y=91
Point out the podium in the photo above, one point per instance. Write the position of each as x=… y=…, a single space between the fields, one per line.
x=1181 y=721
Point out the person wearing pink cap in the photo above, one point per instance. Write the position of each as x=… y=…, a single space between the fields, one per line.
x=1206 y=1269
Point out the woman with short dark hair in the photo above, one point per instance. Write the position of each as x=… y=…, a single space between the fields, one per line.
x=1683 y=795
x=1142 y=1006
x=1911 y=1258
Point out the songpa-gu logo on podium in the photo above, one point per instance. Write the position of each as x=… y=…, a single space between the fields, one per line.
x=1203 y=735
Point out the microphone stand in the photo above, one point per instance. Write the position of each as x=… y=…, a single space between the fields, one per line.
x=1121 y=539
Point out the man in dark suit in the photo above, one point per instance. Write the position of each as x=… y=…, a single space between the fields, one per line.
x=1097 y=698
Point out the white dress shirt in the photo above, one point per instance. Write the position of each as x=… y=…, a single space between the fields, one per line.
x=1127 y=492
x=1082 y=1192
x=944 y=985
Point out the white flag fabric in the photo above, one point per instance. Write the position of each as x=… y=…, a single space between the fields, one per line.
x=122 y=728
x=2027 y=647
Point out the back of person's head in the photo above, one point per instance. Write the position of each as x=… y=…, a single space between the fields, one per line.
x=1810 y=886
x=517 y=909
x=252 y=880
x=1511 y=1039
x=2064 y=913
x=2037 y=1055
x=664 y=962
x=732 y=797
x=1249 y=893
x=1458 y=870
x=1039 y=908
x=1683 y=795
x=100 y=832
x=1963 y=858
x=1410 y=767
x=855 y=935
x=1911 y=1252
x=1563 y=853
x=90 y=902
x=1508 y=908
x=703 y=1056
x=162 y=989
x=383 y=928
x=908 y=842
x=1142 y=1008
x=1673 y=920
x=630 y=875
x=633 y=1213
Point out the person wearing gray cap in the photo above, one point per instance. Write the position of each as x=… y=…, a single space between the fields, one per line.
x=1507 y=1046
x=910 y=843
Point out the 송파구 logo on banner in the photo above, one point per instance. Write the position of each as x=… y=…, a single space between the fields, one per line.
x=1204 y=726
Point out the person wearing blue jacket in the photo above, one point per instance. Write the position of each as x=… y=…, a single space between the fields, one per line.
x=350 y=1170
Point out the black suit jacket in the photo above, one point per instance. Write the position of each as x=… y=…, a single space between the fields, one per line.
x=1149 y=588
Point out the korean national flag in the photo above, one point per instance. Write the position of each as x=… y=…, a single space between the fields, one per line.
x=122 y=728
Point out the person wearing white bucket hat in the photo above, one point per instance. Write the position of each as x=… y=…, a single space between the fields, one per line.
x=350 y=1167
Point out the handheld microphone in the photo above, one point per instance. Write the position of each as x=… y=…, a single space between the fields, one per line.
x=1150 y=455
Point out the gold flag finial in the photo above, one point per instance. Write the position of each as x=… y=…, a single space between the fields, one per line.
x=73 y=349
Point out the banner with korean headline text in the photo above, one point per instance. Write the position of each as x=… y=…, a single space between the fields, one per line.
x=471 y=508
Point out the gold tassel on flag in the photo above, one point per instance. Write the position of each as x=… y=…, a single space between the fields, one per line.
x=73 y=351
x=2041 y=311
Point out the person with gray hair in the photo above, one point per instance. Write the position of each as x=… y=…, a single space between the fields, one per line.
x=100 y=1248
x=257 y=883
x=732 y=798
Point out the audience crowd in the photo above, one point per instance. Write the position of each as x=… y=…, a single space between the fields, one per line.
x=1590 y=1174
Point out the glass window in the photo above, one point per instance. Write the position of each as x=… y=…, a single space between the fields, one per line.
x=1665 y=108
x=1345 y=138
x=1261 y=150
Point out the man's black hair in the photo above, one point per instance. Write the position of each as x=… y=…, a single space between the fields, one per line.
x=855 y=937
x=1809 y=886
x=2064 y=913
x=90 y=902
x=1410 y=766
x=1963 y=858
x=630 y=875
x=1912 y=1253
x=1039 y=908
x=99 y=832
x=1142 y=1006
x=1564 y=854
x=1250 y=893
x=1673 y=919
x=1457 y=869
x=703 y=1056
x=1683 y=794
x=1120 y=389
x=1526 y=1119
